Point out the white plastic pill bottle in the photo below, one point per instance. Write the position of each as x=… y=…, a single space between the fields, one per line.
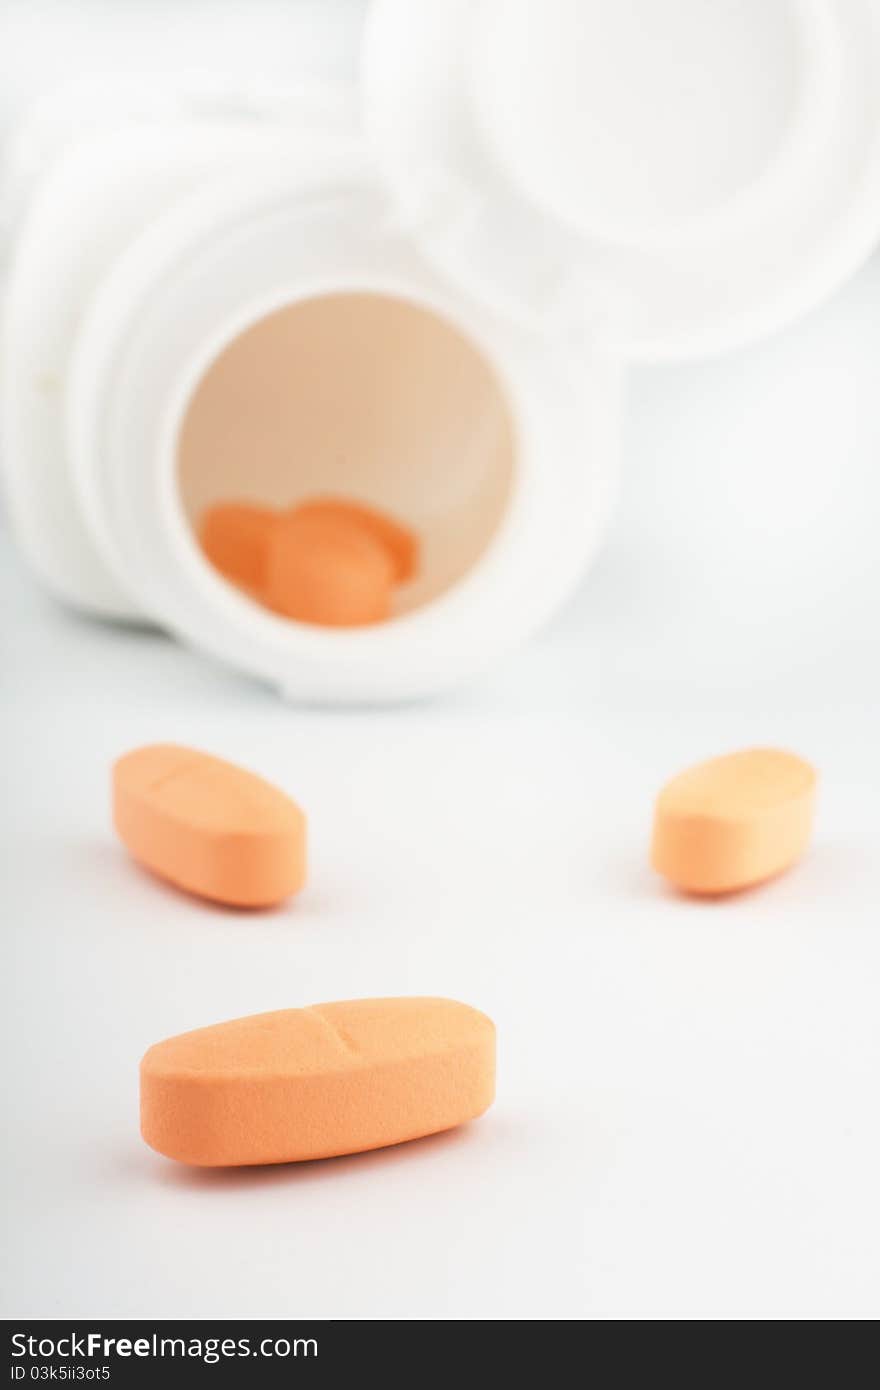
x=422 y=295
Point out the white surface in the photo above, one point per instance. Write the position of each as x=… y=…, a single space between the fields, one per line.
x=687 y=1121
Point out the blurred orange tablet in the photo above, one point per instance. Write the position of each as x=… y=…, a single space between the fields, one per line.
x=208 y=826
x=734 y=821
x=323 y=571
x=312 y=1083
x=401 y=543
x=234 y=536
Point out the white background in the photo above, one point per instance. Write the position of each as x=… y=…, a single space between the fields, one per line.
x=687 y=1116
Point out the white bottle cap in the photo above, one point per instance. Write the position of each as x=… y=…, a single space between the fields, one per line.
x=706 y=170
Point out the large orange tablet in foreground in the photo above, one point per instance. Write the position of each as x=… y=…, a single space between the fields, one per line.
x=208 y=826
x=734 y=821
x=314 y=1083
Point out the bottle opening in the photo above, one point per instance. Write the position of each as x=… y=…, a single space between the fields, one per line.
x=360 y=398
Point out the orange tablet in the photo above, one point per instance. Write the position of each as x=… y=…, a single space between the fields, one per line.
x=734 y=821
x=313 y=1083
x=234 y=536
x=328 y=573
x=208 y=826
x=399 y=541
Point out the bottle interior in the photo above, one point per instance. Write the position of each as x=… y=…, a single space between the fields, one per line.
x=361 y=396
